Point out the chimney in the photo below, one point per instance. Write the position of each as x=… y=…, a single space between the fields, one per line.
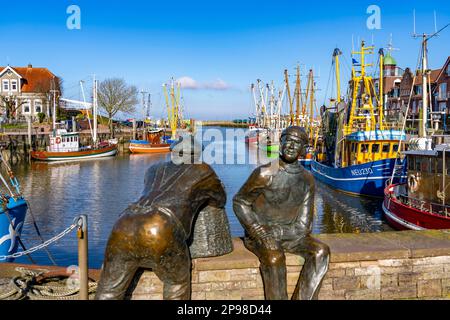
x=30 y=65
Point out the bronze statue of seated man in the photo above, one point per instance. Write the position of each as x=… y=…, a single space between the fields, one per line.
x=154 y=232
x=276 y=208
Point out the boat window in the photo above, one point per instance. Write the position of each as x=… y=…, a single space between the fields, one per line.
x=354 y=145
x=439 y=167
x=395 y=148
x=364 y=148
x=425 y=165
x=418 y=163
x=447 y=164
x=375 y=148
x=411 y=161
x=386 y=147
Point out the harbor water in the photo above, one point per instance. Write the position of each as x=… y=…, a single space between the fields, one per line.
x=102 y=189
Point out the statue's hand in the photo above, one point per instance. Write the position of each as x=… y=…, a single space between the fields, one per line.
x=270 y=243
x=265 y=236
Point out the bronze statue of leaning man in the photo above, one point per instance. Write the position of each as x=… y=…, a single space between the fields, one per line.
x=276 y=208
x=154 y=232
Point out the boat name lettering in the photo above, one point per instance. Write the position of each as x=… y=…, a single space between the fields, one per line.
x=361 y=172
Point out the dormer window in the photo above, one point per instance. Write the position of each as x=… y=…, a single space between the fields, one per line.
x=448 y=69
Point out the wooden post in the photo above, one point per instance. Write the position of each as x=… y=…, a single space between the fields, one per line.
x=29 y=137
x=74 y=124
x=134 y=129
x=82 y=235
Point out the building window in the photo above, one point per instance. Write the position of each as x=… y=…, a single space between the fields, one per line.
x=448 y=69
x=418 y=90
x=37 y=106
x=26 y=107
x=443 y=90
x=5 y=85
x=13 y=85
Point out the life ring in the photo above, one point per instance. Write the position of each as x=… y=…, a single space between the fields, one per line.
x=58 y=140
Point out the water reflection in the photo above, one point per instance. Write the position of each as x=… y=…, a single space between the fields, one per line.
x=102 y=189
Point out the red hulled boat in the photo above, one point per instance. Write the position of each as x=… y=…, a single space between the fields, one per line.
x=424 y=201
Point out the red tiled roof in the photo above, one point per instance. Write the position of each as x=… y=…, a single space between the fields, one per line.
x=34 y=79
x=433 y=76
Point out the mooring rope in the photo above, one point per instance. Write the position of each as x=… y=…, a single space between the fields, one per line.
x=27 y=286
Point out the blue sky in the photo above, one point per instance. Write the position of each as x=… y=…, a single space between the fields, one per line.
x=223 y=46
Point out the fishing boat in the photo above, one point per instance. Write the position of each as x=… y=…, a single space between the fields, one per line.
x=156 y=140
x=12 y=214
x=423 y=201
x=361 y=154
x=253 y=134
x=152 y=144
x=65 y=146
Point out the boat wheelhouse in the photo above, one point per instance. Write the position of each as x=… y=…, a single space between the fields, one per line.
x=423 y=202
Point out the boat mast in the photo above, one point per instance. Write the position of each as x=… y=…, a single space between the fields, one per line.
x=423 y=130
x=94 y=110
x=298 y=92
x=361 y=97
x=381 y=91
x=272 y=103
x=336 y=55
x=291 y=107
x=256 y=106
x=311 y=110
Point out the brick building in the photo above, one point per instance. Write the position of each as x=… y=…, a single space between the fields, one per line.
x=397 y=90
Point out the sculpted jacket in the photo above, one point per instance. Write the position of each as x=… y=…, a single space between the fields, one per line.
x=180 y=191
x=276 y=201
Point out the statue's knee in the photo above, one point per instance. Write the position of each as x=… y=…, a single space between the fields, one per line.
x=274 y=258
x=323 y=252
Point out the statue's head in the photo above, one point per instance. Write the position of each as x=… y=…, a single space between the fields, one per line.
x=186 y=150
x=294 y=141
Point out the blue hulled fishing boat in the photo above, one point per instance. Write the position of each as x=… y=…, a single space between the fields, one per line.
x=12 y=215
x=359 y=151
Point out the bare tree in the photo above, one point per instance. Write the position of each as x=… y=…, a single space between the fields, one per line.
x=11 y=104
x=116 y=95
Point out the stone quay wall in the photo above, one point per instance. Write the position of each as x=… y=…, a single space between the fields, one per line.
x=387 y=266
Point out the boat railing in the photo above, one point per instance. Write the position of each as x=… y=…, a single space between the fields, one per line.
x=423 y=205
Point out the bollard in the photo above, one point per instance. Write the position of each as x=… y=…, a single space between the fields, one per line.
x=82 y=235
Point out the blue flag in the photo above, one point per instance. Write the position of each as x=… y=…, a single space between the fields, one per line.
x=354 y=61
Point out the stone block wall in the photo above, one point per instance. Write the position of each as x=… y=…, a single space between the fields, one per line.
x=391 y=265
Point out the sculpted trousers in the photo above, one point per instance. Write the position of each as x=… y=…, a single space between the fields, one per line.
x=150 y=241
x=273 y=267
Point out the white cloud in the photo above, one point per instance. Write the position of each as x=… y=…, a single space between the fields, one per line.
x=219 y=84
x=189 y=83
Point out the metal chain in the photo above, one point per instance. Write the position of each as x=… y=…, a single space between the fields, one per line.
x=42 y=245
